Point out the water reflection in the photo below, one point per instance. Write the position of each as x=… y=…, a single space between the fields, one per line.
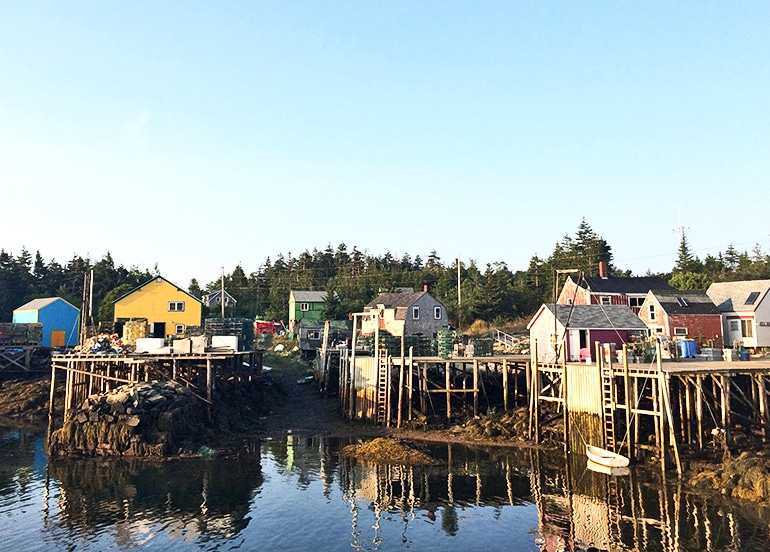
x=299 y=493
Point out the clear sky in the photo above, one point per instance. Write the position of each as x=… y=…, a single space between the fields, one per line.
x=201 y=135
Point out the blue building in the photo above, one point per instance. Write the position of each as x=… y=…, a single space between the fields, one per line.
x=60 y=320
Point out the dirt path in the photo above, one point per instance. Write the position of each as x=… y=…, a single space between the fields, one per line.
x=304 y=411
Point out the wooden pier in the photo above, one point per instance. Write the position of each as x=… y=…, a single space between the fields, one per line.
x=629 y=407
x=622 y=406
x=89 y=374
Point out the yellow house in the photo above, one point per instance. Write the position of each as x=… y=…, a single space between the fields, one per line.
x=168 y=309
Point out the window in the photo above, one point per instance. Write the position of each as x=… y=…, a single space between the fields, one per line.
x=680 y=331
x=304 y=306
x=747 y=329
x=658 y=330
x=635 y=301
x=734 y=325
x=437 y=313
x=179 y=329
x=652 y=312
x=605 y=300
x=314 y=334
x=176 y=306
x=751 y=299
x=415 y=313
x=682 y=302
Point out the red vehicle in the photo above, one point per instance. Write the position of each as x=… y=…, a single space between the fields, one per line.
x=264 y=327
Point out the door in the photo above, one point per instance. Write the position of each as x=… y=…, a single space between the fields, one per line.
x=58 y=338
x=734 y=332
x=159 y=329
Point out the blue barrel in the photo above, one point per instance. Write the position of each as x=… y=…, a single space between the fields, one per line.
x=687 y=348
x=745 y=355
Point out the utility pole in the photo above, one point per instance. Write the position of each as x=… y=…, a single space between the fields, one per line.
x=222 y=293
x=459 y=294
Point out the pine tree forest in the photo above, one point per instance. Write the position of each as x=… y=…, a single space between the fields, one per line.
x=493 y=293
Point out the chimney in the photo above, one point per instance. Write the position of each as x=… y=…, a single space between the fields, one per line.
x=603 y=270
x=425 y=287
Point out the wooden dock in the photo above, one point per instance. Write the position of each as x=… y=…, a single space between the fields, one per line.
x=619 y=405
x=89 y=374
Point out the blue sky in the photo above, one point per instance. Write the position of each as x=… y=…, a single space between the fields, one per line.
x=202 y=135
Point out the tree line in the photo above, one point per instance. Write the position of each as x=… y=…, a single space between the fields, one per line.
x=352 y=278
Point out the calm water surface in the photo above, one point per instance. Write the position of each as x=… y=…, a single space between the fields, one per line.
x=298 y=494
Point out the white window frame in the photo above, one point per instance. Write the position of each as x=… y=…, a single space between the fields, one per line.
x=652 y=311
x=658 y=330
x=635 y=302
x=179 y=329
x=605 y=300
x=304 y=307
x=176 y=306
x=437 y=313
x=680 y=331
x=747 y=328
x=415 y=313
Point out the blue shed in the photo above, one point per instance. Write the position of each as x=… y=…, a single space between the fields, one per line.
x=58 y=317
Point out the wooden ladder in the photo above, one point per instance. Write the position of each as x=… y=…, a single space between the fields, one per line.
x=383 y=384
x=608 y=405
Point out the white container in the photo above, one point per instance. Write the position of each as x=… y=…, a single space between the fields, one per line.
x=149 y=344
x=226 y=341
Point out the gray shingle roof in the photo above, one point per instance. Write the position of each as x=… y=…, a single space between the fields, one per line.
x=696 y=301
x=636 y=284
x=732 y=296
x=395 y=300
x=597 y=317
x=309 y=296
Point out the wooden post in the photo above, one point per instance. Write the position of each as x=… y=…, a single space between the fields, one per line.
x=475 y=387
x=448 y=394
x=208 y=385
x=411 y=384
x=725 y=383
x=505 y=385
x=762 y=398
x=400 y=386
x=565 y=404
x=630 y=403
x=672 y=429
x=699 y=408
x=51 y=400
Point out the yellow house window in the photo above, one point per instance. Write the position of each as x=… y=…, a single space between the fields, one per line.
x=176 y=306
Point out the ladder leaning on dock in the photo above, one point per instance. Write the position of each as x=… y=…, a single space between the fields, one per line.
x=608 y=404
x=383 y=389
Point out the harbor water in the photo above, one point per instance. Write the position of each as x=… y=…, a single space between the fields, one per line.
x=298 y=493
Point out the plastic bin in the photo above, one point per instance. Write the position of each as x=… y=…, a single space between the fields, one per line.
x=745 y=355
x=687 y=348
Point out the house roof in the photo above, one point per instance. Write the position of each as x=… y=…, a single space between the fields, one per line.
x=686 y=302
x=594 y=317
x=396 y=300
x=738 y=296
x=214 y=297
x=153 y=279
x=631 y=285
x=37 y=304
x=309 y=296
